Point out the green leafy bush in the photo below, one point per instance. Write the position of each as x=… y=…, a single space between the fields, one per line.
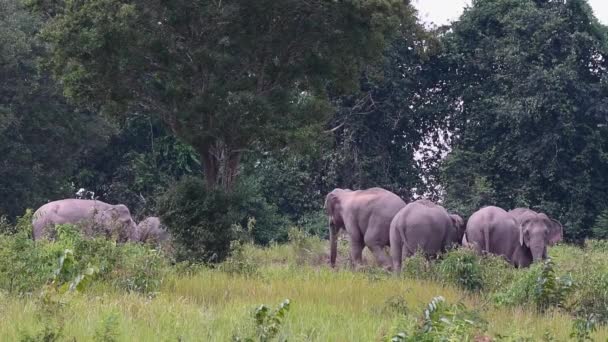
x=203 y=222
x=442 y=321
x=600 y=228
x=200 y=222
x=551 y=290
x=462 y=267
x=268 y=322
x=29 y=264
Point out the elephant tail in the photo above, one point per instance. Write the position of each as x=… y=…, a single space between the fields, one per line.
x=486 y=236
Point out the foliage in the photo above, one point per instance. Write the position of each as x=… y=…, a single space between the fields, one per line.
x=139 y=162
x=28 y=264
x=550 y=290
x=582 y=328
x=268 y=322
x=230 y=82
x=462 y=267
x=41 y=137
x=203 y=222
x=600 y=228
x=446 y=322
x=390 y=133
x=305 y=247
x=527 y=81
x=239 y=262
x=107 y=331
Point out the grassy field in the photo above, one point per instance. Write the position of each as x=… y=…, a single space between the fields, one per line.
x=204 y=304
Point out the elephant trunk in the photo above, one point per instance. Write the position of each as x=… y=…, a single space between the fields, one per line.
x=538 y=252
x=333 y=244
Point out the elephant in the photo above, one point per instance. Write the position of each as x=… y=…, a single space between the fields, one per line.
x=151 y=230
x=366 y=216
x=95 y=216
x=521 y=241
x=532 y=221
x=423 y=225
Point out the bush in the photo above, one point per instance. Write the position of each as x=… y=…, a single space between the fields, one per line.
x=203 y=222
x=600 y=228
x=200 y=222
x=28 y=265
x=462 y=267
x=442 y=321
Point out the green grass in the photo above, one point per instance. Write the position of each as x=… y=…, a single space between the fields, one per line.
x=204 y=304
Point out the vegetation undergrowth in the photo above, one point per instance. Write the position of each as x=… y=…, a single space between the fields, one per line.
x=77 y=289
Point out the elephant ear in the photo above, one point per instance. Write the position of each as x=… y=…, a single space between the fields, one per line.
x=556 y=232
x=459 y=225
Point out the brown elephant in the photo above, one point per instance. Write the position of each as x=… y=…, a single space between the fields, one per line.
x=520 y=239
x=426 y=226
x=366 y=216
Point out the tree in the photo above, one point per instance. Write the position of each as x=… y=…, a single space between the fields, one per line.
x=529 y=80
x=222 y=75
x=41 y=137
x=379 y=132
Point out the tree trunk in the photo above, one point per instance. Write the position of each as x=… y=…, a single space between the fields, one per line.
x=220 y=166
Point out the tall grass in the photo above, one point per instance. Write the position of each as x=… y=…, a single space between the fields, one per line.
x=215 y=304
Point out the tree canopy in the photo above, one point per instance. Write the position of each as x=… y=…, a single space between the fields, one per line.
x=221 y=74
x=531 y=82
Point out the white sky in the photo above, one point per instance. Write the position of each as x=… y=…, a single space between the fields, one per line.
x=441 y=12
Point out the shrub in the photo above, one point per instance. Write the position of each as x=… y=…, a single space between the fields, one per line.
x=442 y=321
x=203 y=222
x=550 y=290
x=600 y=228
x=462 y=267
x=306 y=248
x=268 y=322
x=417 y=266
x=239 y=262
x=200 y=222
x=27 y=265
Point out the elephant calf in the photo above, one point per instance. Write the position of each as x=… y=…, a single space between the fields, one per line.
x=423 y=225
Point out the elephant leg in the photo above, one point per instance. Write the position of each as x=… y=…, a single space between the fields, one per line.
x=397 y=248
x=380 y=255
x=356 y=251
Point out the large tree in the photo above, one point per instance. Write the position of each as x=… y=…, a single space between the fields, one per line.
x=529 y=81
x=221 y=74
x=41 y=137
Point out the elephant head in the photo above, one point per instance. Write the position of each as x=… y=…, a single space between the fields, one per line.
x=537 y=231
x=118 y=218
x=459 y=227
x=336 y=222
x=151 y=230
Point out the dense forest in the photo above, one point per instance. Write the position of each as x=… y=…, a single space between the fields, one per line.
x=215 y=113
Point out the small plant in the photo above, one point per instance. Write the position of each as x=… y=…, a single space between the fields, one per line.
x=268 y=322
x=582 y=328
x=462 y=268
x=239 y=263
x=550 y=290
x=107 y=332
x=445 y=322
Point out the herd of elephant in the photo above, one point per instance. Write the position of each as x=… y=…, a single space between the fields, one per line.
x=377 y=218
x=96 y=218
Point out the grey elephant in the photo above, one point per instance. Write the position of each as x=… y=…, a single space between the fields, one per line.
x=366 y=216
x=533 y=221
x=520 y=241
x=426 y=226
x=151 y=230
x=96 y=217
